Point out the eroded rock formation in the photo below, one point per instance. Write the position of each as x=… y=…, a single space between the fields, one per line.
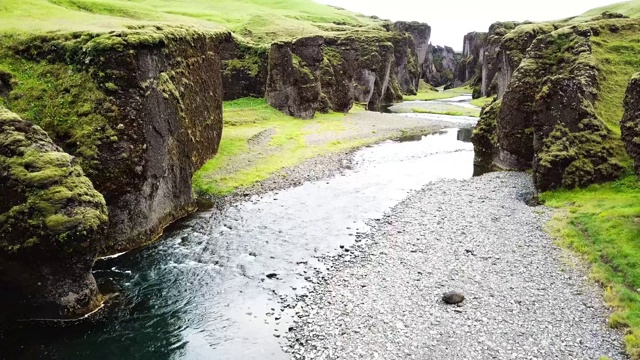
x=440 y=66
x=156 y=113
x=331 y=73
x=469 y=68
x=546 y=120
x=244 y=69
x=52 y=225
x=630 y=124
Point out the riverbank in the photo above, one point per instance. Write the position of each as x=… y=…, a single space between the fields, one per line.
x=522 y=292
x=264 y=150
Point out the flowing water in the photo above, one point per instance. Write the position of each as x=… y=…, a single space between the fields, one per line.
x=222 y=284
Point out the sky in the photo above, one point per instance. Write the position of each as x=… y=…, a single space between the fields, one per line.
x=450 y=20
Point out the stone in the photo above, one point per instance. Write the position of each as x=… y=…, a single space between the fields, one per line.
x=453 y=298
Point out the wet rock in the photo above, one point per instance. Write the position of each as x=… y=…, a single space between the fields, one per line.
x=52 y=223
x=453 y=297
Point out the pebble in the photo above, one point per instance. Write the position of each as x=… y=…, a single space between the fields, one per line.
x=524 y=300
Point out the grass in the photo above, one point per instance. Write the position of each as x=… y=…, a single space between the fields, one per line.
x=433 y=94
x=617 y=58
x=480 y=102
x=238 y=165
x=602 y=223
x=629 y=8
x=448 y=110
x=260 y=21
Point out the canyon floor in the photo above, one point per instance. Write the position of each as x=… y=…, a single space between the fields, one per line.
x=525 y=297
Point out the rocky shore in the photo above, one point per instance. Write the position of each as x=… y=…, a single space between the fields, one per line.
x=525 y=298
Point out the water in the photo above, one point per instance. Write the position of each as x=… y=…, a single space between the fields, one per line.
x=219 y=284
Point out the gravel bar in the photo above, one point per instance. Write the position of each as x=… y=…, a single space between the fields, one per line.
x=525 y=297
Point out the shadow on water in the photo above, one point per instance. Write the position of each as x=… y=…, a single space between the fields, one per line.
x=221 y=285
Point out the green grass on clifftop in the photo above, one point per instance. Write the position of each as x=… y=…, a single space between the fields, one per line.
x=629 y=8
x=602 y=223
x=261 y=21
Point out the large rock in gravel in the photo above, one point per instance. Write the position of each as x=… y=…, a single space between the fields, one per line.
x=453 y=298
x=52 y=223
x=630 y=124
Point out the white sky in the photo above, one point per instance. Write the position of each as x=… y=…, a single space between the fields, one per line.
x=450 y=20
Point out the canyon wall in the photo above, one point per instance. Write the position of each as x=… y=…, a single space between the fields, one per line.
x=139 y=110
x=546 y=118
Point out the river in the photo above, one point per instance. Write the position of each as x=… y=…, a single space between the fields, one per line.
x=222 y=284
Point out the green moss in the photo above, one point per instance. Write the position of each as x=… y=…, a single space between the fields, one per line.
x=61 y=99
x=50 y=199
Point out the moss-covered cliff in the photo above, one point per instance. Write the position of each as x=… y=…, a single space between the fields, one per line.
x=322 y=73
x=52 y=225
x=141 y=109
x=549 y=119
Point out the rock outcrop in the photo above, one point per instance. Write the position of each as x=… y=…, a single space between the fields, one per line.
x=409 y=68
x=630 y=124
x=469 y=69
x=244 y=69
x=153 y=118
x=546 y=120
x=52 y=224
x=440 y=66
x=322 y=73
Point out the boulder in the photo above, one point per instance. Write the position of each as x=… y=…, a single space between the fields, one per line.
x=52 y=225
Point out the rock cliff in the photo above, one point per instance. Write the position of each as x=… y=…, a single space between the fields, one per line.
x=244 y=69
x=546 y=120
x=141 y=110
x=630 y=124
x=440 y=66
x=322 y=73
x=469 y=68
x=52 y=224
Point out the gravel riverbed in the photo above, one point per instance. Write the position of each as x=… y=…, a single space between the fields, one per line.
x=525 y=298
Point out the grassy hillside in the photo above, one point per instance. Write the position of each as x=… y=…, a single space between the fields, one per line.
x=629 y=8
x=257 y=20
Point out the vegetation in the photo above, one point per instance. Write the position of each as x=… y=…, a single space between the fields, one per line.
x=438 y=94
x=446 y=109
x=617 y=58
x=629 y=8
x=260 y=21
x=258 y=141
x=480 y=102
x=601 y=223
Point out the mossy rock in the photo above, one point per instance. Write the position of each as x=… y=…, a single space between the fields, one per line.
x=52 y=221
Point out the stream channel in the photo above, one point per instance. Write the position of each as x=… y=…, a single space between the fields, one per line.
x=223 y=284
